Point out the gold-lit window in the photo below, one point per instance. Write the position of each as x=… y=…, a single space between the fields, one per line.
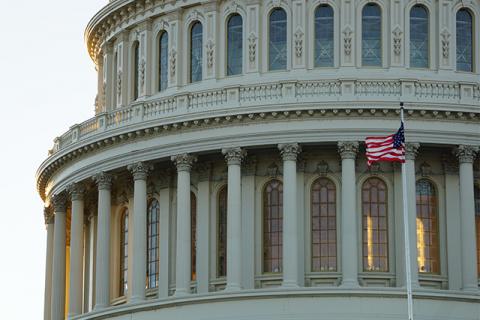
x=477 y=224
x=272 y=226
x=324 y=225
x=193 y=234
x=427 y=228
x=222 y=233
x=375 y=225
x=153 y=216
x=123 y=253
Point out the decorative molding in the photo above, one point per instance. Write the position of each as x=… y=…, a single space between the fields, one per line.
x=210 y=46
x=249 y=166
x=140 y=170
x=76 y=191
x=347 y=40
x=234 y=156
x=466 y=154
x=48 y=215
x=322 y=168
x=289 y=151
x=103 y=180
x=445 y=43
x=184 y=162
x=425 y=169
x=272 y=170
x=60 y=202
x=119 y=85
x=142 y=73
x=204 y=170
x=397 y=40
x=252 y=47
x=173 y=61
x=299 y=43
x=348 y=149
x=411 y=150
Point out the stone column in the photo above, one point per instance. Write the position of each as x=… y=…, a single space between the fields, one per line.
x=49 y=219
x=102 y=277
x=234 y=157
x=204 y=171
x=248 y=222
x=58 y=269
x=165 y=233
x=140 y=172
x=348 y=152
x=411 y=150
x=76 y=250
x=291 y=236
x=184 y=164
x=466 y=155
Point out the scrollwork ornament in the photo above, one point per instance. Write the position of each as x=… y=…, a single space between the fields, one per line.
x=397 y=40
x=140 y=170
x=60 y=202
x=103 y=181
x=184 y=162
x=289 y=151
x=142 y=73
x=173 y=62
x=48 y=215
x=77 y=191
x=411 y=150
x=234 y=156
x=210 y=51
x=348 y=149
x=445 y=43
x=465 y=153
x=299 y=43
x=347 y=40
x=252 y=47
x=119 y=85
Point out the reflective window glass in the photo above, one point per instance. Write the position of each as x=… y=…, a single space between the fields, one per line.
x=277 y=47
x=273 y=227
x=234 y=45
x=372 y=35
x=196 y=52
x=464 y=41
x=163 y=61
x=419 y=40
x=124 y=253
x=324 y=36
x=153 y=216
x=222 y=233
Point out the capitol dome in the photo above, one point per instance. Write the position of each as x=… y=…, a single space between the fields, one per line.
x=224 y=176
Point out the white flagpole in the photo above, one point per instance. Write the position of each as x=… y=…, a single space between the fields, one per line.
x=408 y=271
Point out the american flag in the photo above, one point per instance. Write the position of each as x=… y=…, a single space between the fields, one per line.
x=390 y=148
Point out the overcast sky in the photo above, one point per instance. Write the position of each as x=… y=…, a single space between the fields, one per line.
x=47 y=84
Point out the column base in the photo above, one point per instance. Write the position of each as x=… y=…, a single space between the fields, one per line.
x=471 y=289
x=232 y=287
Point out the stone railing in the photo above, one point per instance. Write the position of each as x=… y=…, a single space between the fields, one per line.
x=281 y=95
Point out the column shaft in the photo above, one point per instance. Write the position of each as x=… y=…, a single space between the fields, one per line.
x=412 y=219
x=48 y=269
x=58 y=269
x=234 y=228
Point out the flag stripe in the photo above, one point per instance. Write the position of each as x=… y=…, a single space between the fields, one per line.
x=390 y=148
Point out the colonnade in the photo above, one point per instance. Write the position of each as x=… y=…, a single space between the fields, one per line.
x=292 y=267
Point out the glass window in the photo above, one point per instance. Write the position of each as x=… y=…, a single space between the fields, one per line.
x=222 y=233
x=136 y=62
x=375 y=225
x=324 y=225
x=372 y=35
x=427 y=228
x=234 y=45
x=124 y=253
x=196 y=52
x=419 y=40
x=193 y=234
x=163 y=61
x=153 y=216
x=272 y=227
x=464 y=41
x=277 y=47
x=477 y=224
x=324 y=36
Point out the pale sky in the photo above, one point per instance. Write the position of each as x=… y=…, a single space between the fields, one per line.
x=47 y=84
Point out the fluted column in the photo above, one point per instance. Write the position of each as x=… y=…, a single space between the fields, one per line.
x=76 y=250
x=102 y=277
x=184 y=164
x=139 y=263
x=49 y=222
x=289 y=153
x=58 y=269
x=234 y=157
x=411 y=150
x=466 y=155
x=348 y=152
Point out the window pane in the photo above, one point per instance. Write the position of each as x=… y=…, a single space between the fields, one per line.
x=152 y=244
x=123 y=253
x=135 y=73
x=324 y=36
x=324 y=238
x=464 y=41
x=222 y=233
x=427 y=228
x=234 y=45
x=277 y=40
x=371 y=36
x=196 y=52
x=375 y=227
x=419 y=41
x=163 y=61
x=272 y=226
x=193 y=234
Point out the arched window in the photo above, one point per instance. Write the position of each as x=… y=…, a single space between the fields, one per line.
x=153 y=218
x=324 y=36
x=427 y=228
x=193 y=234
x=196 y=52
x=324 y=225
x=163 y=61
x=222 y=233
x=114 y=79
x=419 y=39
x=375 y=225
x=123 y=253
x=477 y=223
x=234 y=45
x=136 y=61
x=372 y=35
x=272 y=227
x=464 y=40
x=277 y=45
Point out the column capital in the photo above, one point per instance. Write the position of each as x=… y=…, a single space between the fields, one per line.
x=411 y=150
x=48 y=215
x=140 y=170
x=103 y=180
x=348 y=149
x=76 y=191
x=234 y=156
x=289 y=151
x=60 y=202
x=465 y=153
x=184 y=162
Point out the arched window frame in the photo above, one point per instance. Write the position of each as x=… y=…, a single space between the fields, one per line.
x=135 y=70
x=190 y=27
x=226 y=44
x=153 y=239
x=162 y=75
x=384 y=34
x=221 y=239
x=193 y=235
x=264 y=268
x=310 y=222
x=123 y=252
x=318 y=6
x=430 y=39
x=475 y=31
x=264 y=45
x=476 y=192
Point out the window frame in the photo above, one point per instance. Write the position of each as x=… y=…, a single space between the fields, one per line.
x=226 y=33
x=157 y=248
x=162 y=33
x=263 y=212
x=383 y=36
x=189 y=52
x=334 y=34
x=429 y=35
x=474 y=50
x=287 y=39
